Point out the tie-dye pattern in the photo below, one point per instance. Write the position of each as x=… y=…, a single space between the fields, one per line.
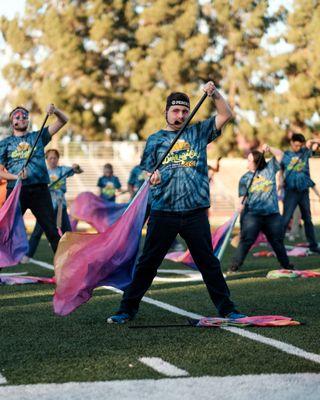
x=14 y=151
x=262 y=197
x=58 y=190
x=297 y=171
x=108 y=185
x=184 y=172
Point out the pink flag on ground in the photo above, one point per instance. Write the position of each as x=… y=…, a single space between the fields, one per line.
x=85 y=261
x=13 y=237
x=218 y=238
x=95 y=211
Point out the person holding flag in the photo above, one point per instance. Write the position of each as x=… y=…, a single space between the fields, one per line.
x=180 y=199
x=15 y=150
x=297 y=182
x=258 y=205
x=58 y=175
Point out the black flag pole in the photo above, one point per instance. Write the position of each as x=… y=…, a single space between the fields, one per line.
x=36 y=142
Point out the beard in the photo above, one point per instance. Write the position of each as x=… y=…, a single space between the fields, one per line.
x=19 y=128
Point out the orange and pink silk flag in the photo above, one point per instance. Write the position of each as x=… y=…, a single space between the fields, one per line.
x=84 y=261
x=13 y=237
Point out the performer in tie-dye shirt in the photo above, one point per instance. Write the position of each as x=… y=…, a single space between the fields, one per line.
x=14 y=151
x=59 y=202
x=180 y=199
x=297 y=182
x=261 y=211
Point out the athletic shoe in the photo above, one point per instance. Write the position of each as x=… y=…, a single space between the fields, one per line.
x=290 y=266
x=235 y=315
x=315 y=250
x=233 y=269
x=25 y=260
x=119 y=319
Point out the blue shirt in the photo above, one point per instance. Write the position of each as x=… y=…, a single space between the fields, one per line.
x=14 y=151
x=58 y=190
x=296 y=169
x=109 y=184
x=184 y=172
x=262 y=197
x=137 y=177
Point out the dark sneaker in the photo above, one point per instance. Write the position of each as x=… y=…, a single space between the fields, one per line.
x=119 y=319
x=235 y=315
x=315 y=250
x=290 y=267
x=233 y=269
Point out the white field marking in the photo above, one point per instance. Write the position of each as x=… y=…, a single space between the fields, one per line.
x=14 y=273
x=242 y=387
x=179 y=271
x=2 y=379
x=163 y=367
x=41 y=264
x=285 y=347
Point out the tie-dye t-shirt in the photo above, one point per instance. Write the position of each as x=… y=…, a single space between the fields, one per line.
x=262 y=197
x=109 y=185
x=14 y=151
x=58 y=190
x=296 y=169
x=184 y=172
x=137 y=177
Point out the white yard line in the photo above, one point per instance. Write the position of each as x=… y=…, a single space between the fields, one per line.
x=2 y=379
x=285 y=347
x=163 y=367
x=14 y=273
x=242 y=387
x=42 y=264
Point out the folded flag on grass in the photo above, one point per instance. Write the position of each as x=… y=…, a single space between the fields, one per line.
x=21 y=280
x=258 y=320
x=95 y=211
x=219 y=239
x=13 y=237
x=288 y=273
x=293 y=252
x=85 y=261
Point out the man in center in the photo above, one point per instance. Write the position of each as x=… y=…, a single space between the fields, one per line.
x=180 y=199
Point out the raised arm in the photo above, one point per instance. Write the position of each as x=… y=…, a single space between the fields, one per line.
x=61 y=119
x=224 y=113
x=277 y=153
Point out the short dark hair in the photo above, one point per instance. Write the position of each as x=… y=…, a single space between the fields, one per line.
x=56 y=152
x=298 y=137
x=259 y=160
x=18 y=108
x=108 y=165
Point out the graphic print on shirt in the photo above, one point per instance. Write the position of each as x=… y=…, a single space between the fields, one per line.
x=22 y=151
x=181 y=155
x=261 y=184
x=296 y=164
x=109 y=189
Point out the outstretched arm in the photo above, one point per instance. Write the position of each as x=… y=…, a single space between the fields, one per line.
x=61 y=119
x=224 y=113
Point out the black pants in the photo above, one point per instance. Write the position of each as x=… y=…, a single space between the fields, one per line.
x=38 y=199
x=38 y=231
x=271 y=225
x=163 y=227
x=292 y=199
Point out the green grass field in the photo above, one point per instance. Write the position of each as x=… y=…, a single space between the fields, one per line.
x=38 y=347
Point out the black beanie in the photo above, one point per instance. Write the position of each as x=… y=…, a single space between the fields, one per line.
x=177 y=99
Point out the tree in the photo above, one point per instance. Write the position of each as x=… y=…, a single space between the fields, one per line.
x=71 y=54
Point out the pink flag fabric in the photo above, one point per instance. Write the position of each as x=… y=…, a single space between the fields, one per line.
x=218 y=239
x=288 y=273
x=21 y=280
x=84 y=261
x=293 y=252
x=95 y=211
x=13 y=237
x=258 y=320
